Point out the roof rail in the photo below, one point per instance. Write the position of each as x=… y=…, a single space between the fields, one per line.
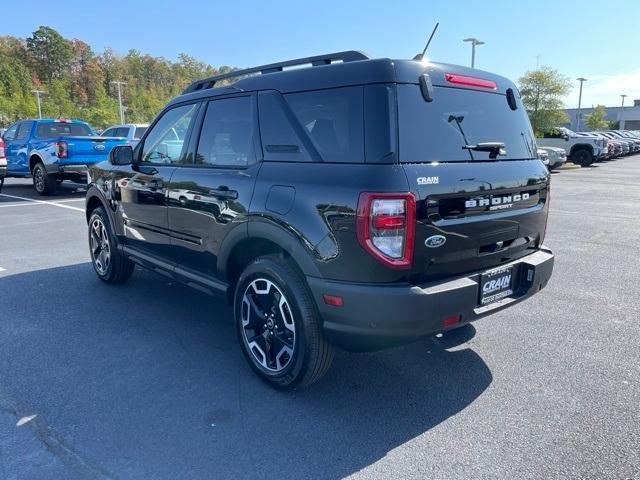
x=347 y=56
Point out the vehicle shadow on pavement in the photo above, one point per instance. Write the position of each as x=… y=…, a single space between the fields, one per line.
x=146 y=380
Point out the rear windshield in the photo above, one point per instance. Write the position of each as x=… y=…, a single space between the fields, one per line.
x=438 y=130
x=53 y=130
x=139 y=132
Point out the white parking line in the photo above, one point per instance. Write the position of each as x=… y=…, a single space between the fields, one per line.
x=3 y=269
x=42 y=202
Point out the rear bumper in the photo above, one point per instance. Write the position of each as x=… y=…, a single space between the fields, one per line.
x=376 y=316
x=76 y=172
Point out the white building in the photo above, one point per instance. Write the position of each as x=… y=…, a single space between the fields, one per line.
x=629 y=118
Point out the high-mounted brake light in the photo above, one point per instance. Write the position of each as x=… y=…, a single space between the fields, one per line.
x=386 y=227
x=63 y=120
x=62 y=149
x=470 y=81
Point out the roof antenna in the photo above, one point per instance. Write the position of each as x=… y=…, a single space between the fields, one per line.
x=420 y=56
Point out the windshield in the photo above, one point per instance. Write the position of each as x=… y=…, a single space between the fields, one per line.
x=448 y=128
x=53 y=130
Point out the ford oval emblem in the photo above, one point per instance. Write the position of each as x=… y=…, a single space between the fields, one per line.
x=435 y=241
x=99 y=147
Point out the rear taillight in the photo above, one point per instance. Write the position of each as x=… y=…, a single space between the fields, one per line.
x=386 y=226
x=2 y=154
x=62 y=149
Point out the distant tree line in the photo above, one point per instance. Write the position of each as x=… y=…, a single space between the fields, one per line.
x=77 y=80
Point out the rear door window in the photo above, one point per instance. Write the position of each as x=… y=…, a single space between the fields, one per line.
x=227 y=136
x=23 y=130
x=439 y=130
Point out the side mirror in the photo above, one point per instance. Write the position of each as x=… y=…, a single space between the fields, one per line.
x=566 y=137
x=121 y=155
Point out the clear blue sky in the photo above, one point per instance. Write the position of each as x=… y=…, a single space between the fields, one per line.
x=595 y=39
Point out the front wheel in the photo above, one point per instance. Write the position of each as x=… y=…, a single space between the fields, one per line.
x=582 y=157
x=43 y=183
x=278 y=325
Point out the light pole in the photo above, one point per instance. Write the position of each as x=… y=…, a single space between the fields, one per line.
x=119 y=84
x=38 y=92
x=474 y=43
x=581 y=80
x=621 y=119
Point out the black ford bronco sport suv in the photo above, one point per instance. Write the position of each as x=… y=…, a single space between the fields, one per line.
x=358 y=203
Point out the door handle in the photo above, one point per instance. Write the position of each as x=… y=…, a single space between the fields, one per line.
x=224 y=192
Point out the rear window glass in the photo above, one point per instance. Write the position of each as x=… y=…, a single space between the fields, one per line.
x=333 y=121
x=438 y=130
x=52 y=130
x=139 y=132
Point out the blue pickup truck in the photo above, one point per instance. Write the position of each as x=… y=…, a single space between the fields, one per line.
x=54 y=150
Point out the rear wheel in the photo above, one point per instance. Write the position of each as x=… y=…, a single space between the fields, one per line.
x=109 y=264
x=278 y=325
x=582 y=157
x=43 y=183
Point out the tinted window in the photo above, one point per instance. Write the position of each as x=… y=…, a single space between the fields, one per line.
x=283 y=138
x=23 y=130
x=11 y=132
x=438 y=130
x=139 y=132
x=166 y=140
x=227 y=133
x=109 y=133
x=52 y=130
x=333 y=120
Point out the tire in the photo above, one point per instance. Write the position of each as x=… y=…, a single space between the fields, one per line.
x=301 y=355
x=108 y=263
x=43 y=183
x=582 y=157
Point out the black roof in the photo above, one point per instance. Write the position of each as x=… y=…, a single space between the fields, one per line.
x=333 y=70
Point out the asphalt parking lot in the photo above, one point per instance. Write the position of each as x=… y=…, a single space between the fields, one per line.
x=146 y=380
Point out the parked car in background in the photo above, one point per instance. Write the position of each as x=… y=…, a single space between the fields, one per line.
x=618 y=135
x=581 y=150
x=629 y=146
x=131 y=131
x=312 y=200
x=54 y=150
x=2 y=130
x=610 y=148
x=3 y=164
x=544 y=156
x=556 y=156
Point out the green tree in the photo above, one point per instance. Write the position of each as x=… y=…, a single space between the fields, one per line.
x=542 y=92
x=597 y=119
x=50 y=53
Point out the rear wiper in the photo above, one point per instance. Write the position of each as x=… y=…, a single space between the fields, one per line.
x=458 y=119
x=494 y=148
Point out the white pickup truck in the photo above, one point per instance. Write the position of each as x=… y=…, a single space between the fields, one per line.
x=582 y=150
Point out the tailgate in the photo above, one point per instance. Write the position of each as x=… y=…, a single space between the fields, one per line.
x=90 y=149
x=476 y=215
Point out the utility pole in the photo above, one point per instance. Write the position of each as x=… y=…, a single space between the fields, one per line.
x=38 y=93
x=474 y=42
x=621 y=119
x=581 y=80
x=537 y=61
x=119 y=84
